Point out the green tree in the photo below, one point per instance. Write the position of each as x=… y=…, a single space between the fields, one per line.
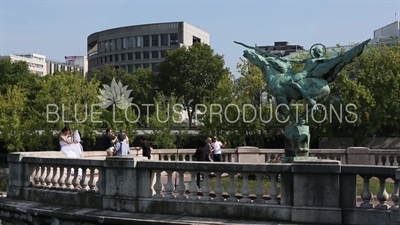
x=164 y=120
x=242 y=115
x=69 y=99
x=191 y=73
x=13 y=116
x=143 y=85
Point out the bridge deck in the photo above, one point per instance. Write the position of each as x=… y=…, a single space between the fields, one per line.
x=109 y=217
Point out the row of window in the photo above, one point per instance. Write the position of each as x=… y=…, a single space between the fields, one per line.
x=128 y=56
x=155 y=40
x=132 y=67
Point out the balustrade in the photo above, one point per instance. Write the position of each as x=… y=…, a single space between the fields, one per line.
x=269 y=187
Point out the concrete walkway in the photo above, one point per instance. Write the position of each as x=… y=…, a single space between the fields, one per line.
x=90 y=216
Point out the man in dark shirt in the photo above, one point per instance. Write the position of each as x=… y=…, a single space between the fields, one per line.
x=108 y=139
x=146 y=147
x=202 y=154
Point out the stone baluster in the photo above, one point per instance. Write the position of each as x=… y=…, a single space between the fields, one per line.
x=205 y=189
x=273 y=190
x=366 y=194
x=92 y=182
x=43 y=176
x=76 y=180
x=193 y=186
x=191 y=158
x=259 y=192
x=169 y=186
x=245 y=191
x=232 y=188
x=382 y=195
x=63 y=176
x=68 y=179
x=84 y=181
x=50 y=170
x=218 y=189
x=56 y=177
x=395 y=195
x=169 y=156
x=181 y=188
x=36 y=176
x=99 y=180
x=158 y=185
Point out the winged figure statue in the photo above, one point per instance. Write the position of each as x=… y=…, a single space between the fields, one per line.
x=311 y=84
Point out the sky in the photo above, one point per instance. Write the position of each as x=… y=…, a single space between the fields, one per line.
x=58 y=28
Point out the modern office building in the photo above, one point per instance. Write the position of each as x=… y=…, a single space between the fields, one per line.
x=78 y=61
x=36 y=62
x=281 y=48
x=140 y=46
x=39 y=65
x=387 y=34
x=55 y=66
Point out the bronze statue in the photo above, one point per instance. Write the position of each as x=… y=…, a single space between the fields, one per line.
x=311 y=84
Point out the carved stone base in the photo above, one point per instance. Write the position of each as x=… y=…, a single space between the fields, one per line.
x=299 y=159
x=297 y=140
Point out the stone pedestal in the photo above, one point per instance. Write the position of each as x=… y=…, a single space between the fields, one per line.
x=297 y=142
x=359 y=156
x=317 y=192
x=249 y=154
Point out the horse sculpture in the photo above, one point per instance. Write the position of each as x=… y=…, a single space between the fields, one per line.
x=311 y=84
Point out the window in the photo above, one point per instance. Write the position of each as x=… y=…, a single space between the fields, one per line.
x=130 y=68
x=154 y=54
x=102 y=46
x=146 y=65
x=196 y=39
x=154 y=67
x=164 y=39
x=146 y=55
x=118 y=43
x=163 y=53
x=105 y=59
x=130 y=56
x=101 y=60
x=107 y=46
x=116 y=57
x=130 y=42
x=173 y=39
x=110 y=58
x=154 y=40
x=112 y=45
x=138 y=55
x=137 y=66
x=124 y=43
x=138 y=42
x=123 y=57
x=116 y=67
x=146 y=41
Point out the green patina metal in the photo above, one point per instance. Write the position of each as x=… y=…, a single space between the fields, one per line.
x=311 y=84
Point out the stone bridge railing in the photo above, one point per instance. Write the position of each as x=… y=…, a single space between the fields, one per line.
x=317 y=192
x=352 y=155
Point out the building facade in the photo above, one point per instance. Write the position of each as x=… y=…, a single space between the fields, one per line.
x=79 y=62
x=281 y=48
x=140 y=46
x=390 y=30
x=37 y=64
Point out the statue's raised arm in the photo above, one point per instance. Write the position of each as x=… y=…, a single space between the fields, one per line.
x=256 y=49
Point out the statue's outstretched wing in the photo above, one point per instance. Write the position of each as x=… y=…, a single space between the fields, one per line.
x=329 y=69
